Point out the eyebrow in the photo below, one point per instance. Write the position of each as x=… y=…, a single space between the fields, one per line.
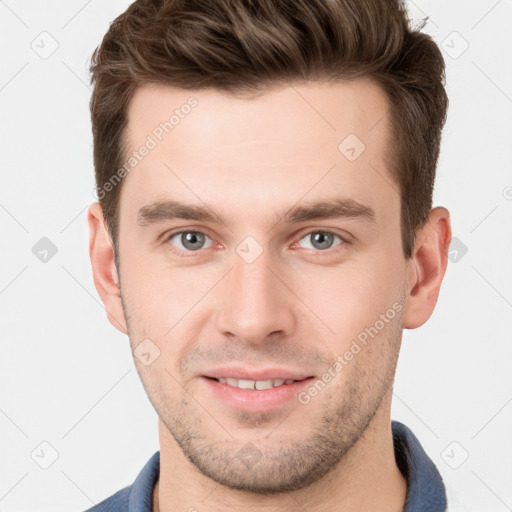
x=160 y=211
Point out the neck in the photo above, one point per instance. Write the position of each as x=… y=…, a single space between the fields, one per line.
x=367 y=478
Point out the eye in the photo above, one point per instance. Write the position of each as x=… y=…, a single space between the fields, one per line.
x=322 y=240
x=191 y=241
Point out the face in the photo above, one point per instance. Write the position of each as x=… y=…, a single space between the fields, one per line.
x=258 y=243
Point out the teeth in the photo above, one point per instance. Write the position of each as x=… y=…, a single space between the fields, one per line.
x=245 y=384
x=267 y=384
x=254 y=384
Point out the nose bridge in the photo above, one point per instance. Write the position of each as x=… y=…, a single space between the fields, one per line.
x=254 y=302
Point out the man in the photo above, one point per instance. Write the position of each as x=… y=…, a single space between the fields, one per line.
x=264 y=233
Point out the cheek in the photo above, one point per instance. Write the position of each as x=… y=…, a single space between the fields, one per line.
x=158 y=289
x=165 y=304
x=352 y=296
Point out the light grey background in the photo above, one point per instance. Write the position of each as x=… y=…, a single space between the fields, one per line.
x=67 y=377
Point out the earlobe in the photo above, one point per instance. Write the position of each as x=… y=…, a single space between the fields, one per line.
x=427 y=268
x=104 y=269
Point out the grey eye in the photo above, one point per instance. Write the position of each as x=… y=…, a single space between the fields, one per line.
x=321 y=240
x=190 y=240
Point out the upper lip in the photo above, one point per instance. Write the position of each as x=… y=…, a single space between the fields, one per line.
x=262 y=374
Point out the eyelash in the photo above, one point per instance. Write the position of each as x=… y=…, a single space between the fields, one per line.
x=186 y=254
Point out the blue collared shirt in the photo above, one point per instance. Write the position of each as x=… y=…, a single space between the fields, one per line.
x=425 y=488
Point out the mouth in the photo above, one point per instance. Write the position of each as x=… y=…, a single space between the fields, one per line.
x=259 y=385
x=264 y=394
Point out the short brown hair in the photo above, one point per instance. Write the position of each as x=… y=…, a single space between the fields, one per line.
x=243 y=46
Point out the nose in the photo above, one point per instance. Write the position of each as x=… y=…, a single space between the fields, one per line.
x=255 y=302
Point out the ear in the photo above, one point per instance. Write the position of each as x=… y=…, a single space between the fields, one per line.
x=104 y=270
x=427 y=267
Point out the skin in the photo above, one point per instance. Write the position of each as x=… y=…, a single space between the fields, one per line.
x=295 y=306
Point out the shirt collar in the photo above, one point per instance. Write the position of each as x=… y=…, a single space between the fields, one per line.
x=425 y=488
x=141 y=493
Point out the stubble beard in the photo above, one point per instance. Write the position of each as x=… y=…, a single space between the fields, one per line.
x=276 y=464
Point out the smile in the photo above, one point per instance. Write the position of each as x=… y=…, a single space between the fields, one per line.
x=254 y=384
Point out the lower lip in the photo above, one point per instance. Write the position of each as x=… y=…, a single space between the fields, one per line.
x=255 y=399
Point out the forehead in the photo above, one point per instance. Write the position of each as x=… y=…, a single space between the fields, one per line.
x=305 y=140
x=328 y=110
